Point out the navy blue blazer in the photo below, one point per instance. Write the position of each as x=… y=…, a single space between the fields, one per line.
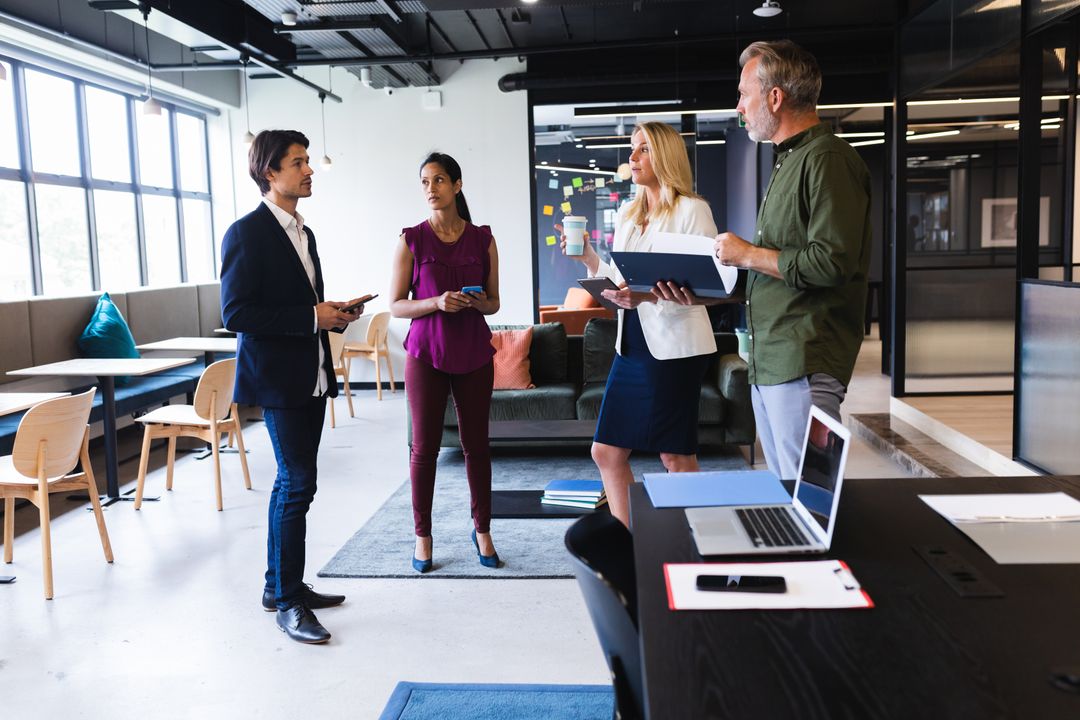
x=267 y=300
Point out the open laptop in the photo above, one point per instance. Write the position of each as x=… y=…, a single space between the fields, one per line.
x=805 y=525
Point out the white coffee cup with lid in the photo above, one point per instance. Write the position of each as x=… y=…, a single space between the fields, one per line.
x=574 y=228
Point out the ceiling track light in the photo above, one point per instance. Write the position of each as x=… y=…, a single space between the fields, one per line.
x=768 y=9
x=288 y=18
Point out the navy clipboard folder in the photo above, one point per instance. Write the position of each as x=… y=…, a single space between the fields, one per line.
x=642 y=270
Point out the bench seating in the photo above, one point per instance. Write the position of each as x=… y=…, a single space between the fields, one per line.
x=44 y=330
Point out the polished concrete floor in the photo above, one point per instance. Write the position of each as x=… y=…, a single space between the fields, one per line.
x=173 y=629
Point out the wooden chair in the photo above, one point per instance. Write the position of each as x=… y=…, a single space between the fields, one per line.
x=373 y=348
x=52 y=437
x=341 y=369
x=213 y=414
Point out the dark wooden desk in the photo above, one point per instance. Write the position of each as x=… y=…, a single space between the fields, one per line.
x=922 y=652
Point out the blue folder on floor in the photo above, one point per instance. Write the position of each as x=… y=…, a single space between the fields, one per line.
x=712 y=489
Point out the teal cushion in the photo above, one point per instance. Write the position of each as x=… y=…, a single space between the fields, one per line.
x=107 y=335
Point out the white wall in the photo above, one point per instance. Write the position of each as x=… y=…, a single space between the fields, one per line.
x=376 y=141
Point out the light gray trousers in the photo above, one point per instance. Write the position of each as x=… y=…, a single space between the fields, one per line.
x=781 y=413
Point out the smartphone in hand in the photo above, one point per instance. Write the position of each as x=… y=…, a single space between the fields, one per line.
x=356 y=305
x=742 y=583
x=473 y=289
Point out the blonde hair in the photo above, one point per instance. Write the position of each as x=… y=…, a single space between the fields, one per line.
x=667 y=154
x=787 y=66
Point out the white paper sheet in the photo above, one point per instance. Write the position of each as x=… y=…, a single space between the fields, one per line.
x=666 y=242
x=1005 y=507
x=811 y=584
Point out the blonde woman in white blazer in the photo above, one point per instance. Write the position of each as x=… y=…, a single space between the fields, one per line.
x=663 y=345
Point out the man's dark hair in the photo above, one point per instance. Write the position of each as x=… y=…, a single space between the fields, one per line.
x=268 y=150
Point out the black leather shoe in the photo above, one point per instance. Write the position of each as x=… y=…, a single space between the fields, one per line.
x=314 y=600
x=299 y=623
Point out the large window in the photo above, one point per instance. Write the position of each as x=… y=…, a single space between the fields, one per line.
x=95 y=195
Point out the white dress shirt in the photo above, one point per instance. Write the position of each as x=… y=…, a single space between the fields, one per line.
x=671 y=330
x=293 y=225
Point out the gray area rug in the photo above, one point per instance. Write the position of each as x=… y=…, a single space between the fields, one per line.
x=529 y=548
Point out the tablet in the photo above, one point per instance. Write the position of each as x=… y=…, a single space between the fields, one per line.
x=642 y=270
x=597 y=285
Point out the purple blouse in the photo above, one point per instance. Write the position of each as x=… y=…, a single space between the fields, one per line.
x=452 y=342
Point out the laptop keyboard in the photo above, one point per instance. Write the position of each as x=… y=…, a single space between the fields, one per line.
x=771 y=527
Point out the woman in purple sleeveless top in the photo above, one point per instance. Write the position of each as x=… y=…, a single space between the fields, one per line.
x=448 y=348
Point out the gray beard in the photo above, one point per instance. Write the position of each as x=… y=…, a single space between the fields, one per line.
x=766 y=128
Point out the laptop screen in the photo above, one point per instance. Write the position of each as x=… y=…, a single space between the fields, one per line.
x=822 y=464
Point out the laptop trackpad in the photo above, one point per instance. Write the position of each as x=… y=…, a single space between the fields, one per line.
x=718 y=525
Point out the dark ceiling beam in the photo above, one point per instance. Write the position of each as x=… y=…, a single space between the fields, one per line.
x=242 y=29
x=432 y=25
x=476 y=27
x=232 y=23
x=390 y=8
x=524 y=51
x=506 y=28
x=368 y=23
x=566 y=24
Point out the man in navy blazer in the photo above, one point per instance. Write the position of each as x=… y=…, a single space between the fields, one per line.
x=272 y=297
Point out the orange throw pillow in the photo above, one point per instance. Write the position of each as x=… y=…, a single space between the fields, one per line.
x=512 y=359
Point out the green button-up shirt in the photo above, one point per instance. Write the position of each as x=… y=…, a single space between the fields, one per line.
x=816 y=212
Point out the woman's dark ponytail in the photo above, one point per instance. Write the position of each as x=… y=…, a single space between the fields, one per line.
x=450 y=165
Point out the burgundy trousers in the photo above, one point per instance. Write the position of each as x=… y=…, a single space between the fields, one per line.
x=426 y=389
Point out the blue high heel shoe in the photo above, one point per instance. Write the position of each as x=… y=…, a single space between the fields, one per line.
x=491 y=561
x=423 y=566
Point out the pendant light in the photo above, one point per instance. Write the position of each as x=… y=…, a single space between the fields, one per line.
x=326 y=163
x=769 y=8
x=3 y=72
x=248 y=136
x=151 y=106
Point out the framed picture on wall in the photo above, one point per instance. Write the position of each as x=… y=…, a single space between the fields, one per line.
x=999 y=222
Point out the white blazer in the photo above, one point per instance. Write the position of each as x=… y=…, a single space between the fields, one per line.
x=671 y=330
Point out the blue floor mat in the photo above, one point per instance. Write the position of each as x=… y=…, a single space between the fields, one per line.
x=438 y=701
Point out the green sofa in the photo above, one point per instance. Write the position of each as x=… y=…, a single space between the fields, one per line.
x=570 y=374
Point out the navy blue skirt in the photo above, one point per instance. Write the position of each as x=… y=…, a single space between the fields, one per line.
x=649 y=404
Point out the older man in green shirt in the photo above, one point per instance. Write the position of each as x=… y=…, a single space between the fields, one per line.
x=808 y=259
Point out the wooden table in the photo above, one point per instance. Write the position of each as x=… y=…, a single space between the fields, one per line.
x=13 y=402
x=923 y=651
x=106 y=370
x=205 y=345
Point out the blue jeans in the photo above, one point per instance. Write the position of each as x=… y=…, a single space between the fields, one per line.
x=295 y=435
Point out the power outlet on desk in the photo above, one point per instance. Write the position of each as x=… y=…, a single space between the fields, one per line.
x=957 y=572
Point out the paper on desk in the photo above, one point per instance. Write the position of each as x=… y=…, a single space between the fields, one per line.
x=811 y=584
x=1016 y=528
x=1005 y=507
x=665 y=242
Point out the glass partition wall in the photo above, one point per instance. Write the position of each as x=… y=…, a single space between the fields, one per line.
x=960 y=190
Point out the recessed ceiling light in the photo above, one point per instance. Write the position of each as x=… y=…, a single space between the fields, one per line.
x=769 y=8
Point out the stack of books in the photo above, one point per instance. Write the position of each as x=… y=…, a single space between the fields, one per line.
x=584 y=494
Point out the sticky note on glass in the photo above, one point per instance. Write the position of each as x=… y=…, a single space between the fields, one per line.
x=613 y=197
x=600 y=182
x=609 y=237
x=577 y=182
x=550 y=240
x=595 y=234
x=565 y=207
x=553 y=183
x=567 y=191
x=548 y=210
